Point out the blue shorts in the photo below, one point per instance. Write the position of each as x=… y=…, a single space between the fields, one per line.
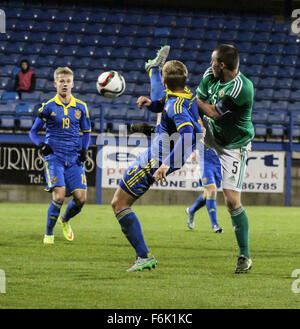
x=210 y=169
x=138 y=177
x=61 y=173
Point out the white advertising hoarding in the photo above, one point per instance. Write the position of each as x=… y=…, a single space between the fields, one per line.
x=264 y=172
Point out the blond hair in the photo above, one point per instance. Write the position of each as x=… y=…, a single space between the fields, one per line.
x=62 y=70
x=174 y=73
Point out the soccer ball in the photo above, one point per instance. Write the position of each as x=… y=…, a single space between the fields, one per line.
x=111 y=84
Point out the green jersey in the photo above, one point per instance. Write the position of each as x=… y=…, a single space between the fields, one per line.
x=235 y=129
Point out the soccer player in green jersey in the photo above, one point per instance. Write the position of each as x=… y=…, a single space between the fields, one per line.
x=226 y=96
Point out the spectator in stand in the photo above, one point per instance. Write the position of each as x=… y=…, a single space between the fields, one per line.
x=25 y=78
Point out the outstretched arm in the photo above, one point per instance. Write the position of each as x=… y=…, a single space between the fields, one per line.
x=33 y=134
x=207 y=109
x=153 y=106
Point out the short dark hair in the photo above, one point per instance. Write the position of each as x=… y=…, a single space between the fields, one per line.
x=229 y=55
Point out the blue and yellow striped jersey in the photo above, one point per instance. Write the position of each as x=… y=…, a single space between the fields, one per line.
x=63 y=124
x=180 y=109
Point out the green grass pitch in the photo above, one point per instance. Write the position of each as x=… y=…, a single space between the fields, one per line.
x=195 y=268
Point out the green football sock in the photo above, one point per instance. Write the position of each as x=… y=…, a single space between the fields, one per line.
x=239 y=221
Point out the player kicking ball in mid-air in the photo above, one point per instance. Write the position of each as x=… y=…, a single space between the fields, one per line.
x=229 y=132
x=175 y=139
x=210 y=167
x=64 y=152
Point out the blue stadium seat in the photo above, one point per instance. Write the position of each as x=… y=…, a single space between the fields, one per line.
x=277 y=130
x=277 y=117
x=35 y=95
x=270 y=71
x=256 y=59
x=199 y=22
x=23 y=109
x=7 y=95
x=272 y=60
x=24 y=122
x=96 y=17
x=260 y=47
x=60 y=27
x=214 y=24
x=45 y=60
x=7 y=109
x=133 y=114
x=81 y=17
x=231 y=25
x=266 y=93
x=32 y=49
x=260 y=116
x=46 y=26
x=35 y=37
x=44 y=72
x=126 y=41
x=279 y=27
x=291 y=49
x=285 y=83
x=63 y=61
x=45 y=96
x=15 y=47
x=81 y=28
x=212 y=35
x=288 y=60
x=286 y=72
x=247 y=25
x=295 y=106
x=263 y=26
x=113 y=29
x=52 y=50
x=245 y=36
x=268 y=82
x=296 y=131
x=89 y=40
x=277 y=37
x=253 y=70
x=11 y=59
x=70 y=50
x=129 y=19
x=279 y=106
x=57 y=38
x=296 y=118
x=263 y=105
x=7 y=122
x=117 y=114
x=281 y=94
x=165 y=20
x=64 y=16
x=81 y=63
x=295 y=96
x=260 y=130
x=261 y=37
x=276 y=48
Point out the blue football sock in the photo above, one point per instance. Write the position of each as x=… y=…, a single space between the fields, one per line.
x=211 y=206
x=71 y=211
x=157 y=88
x=52 y=215
x=132 y=229
x=200 y=202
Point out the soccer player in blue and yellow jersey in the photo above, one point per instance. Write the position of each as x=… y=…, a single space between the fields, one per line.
x=209 y=164
x=64 y=151
x=176 y=138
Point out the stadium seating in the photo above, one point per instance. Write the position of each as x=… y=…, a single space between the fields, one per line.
x=92 y=40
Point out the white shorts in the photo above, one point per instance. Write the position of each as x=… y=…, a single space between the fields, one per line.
x=233 y=161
